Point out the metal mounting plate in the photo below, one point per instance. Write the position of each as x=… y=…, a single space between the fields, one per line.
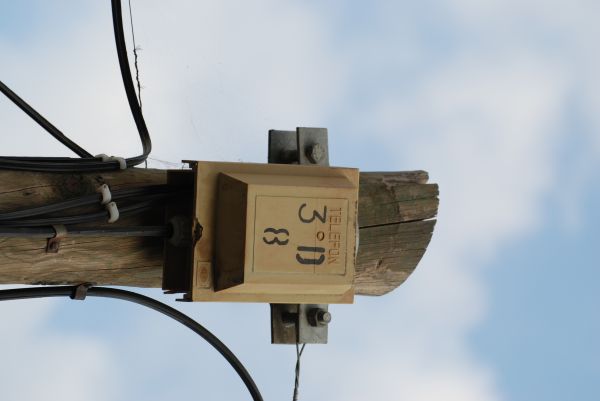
x=283 y=147
x=290 y=324
x=303 y=146
x=308 y=146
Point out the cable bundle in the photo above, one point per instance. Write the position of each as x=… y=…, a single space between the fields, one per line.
x=23 y=222
x=38 y=221
x=86 y=161
x=44 y=221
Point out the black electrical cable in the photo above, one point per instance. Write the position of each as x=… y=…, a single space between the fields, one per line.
x=86 y=200
x=136 y=111
x=38 y=118
x=87 y=162
x=49 y=232
x=52 y=165
x=128 y=210
x=147 y=201
x=23 y=224
x=68 y=291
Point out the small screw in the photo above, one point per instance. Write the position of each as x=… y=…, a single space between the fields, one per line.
x=315 y=153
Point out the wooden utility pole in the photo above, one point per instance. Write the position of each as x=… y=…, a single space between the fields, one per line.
x=396 y=212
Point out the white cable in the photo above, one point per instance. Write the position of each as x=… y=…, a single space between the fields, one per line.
x=60 y=231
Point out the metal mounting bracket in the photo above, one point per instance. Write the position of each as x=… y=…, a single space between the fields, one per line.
x=303 y=146
x=299 y=324
x=293 y=323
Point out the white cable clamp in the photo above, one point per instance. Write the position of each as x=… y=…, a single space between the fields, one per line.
x=104 y=190
x=60 y=231
x=121 y=160
x=113 y=212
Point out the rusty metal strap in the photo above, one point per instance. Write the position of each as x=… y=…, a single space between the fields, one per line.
x=53 y=244
x=80 y=291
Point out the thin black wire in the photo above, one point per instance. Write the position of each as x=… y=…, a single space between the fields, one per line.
x=299 y=352
x=87 y=162
x=69 y=291
x=128 y=84
x=135 y=55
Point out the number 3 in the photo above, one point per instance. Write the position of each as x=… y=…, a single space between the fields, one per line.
x=315 y=215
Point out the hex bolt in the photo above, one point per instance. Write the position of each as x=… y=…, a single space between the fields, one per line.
x=315 y=153
x=318 y=317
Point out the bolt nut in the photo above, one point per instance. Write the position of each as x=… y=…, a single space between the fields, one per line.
x=315 y=153
x=318 y=317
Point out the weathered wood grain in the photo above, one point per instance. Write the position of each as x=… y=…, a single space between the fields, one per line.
x=393 y=235
x=393 y=214
x=389 y=254
x=386 y=199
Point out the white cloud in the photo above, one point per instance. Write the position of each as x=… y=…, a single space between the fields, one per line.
x=396 y=380
x=488 y=127
x=39 y=363
x=218 y=75
x=488 y=132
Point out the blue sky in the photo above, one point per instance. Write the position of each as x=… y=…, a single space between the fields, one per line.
x=498 y=100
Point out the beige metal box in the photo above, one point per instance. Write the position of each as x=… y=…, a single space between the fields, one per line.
x=274 y=233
